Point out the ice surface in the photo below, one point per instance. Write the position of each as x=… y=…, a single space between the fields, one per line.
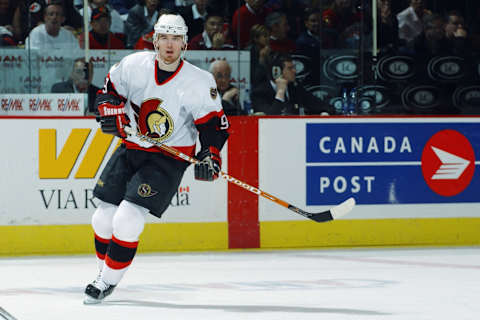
x=409 y=284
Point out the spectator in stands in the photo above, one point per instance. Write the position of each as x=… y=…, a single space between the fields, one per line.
x=6 y=38
x=338 y=17
x=226 y=7
x=221 y=71
x=117 y=20
x=122 y=6
x=73 y=19
x=259 y=47
x=181 y=3
x=79 y=83
x=146 y=41
x=141 y=19
x=195 y=16
x=51 y=34
x=244 y=18
x=443 y=36
x=387 y=26
x=309 y=41
x=277 y=24
x=294 y=9
x=410 y=24
x=213 y=36
x=100 y=37
x=175 y=5
x=7 y=8
x=27 y=16
x=432 y=41
x=455 y=27
x=281 y=95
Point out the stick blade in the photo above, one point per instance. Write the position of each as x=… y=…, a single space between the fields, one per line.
x=343 y=208
x=335 y=212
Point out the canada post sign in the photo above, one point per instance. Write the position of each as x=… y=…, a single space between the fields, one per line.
x=380 y=163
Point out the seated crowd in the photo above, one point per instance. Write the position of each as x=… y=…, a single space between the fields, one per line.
x=293 y=26
x=268 y=28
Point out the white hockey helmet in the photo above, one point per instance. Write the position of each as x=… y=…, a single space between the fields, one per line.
x=171 y=24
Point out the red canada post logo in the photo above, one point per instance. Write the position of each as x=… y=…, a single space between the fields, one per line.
x=448 y=162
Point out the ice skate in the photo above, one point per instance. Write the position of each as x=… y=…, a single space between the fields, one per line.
x=96 y=291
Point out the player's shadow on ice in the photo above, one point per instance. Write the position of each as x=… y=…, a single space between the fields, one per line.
x=240 y=308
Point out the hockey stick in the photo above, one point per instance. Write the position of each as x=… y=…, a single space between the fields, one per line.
x=324 y=216
x=5 y=315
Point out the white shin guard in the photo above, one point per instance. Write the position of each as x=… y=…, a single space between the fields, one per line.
x=128 y=223
x=102 y=223
x=102 y=219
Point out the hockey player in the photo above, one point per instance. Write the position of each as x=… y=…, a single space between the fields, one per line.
x=165 y=97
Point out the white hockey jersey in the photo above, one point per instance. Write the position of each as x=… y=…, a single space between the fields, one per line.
x=167 y=111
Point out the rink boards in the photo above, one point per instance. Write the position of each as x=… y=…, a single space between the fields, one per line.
x=415 y=181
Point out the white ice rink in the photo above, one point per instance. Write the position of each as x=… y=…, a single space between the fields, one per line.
x=407 y=284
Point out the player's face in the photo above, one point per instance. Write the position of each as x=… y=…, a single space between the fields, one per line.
x=169 y=47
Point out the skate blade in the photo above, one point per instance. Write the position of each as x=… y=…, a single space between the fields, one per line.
x=89 y=300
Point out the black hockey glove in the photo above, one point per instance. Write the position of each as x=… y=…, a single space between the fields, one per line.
x=209 y=166
x=112 y=116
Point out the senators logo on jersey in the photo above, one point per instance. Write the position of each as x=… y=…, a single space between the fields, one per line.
x=154 y=121
x=145 y=190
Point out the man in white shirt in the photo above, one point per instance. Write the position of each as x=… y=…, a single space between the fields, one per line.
x=410 y=23
x=51 y=34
